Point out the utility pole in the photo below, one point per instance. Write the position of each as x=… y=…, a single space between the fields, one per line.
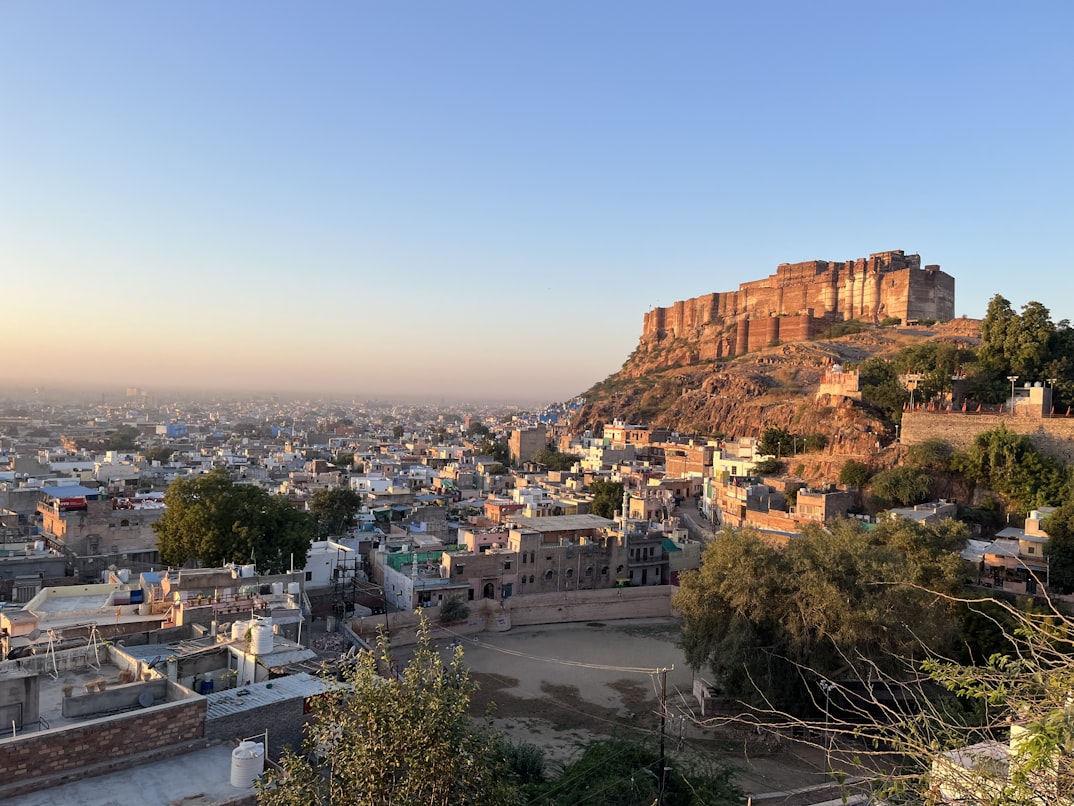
x=663 y=723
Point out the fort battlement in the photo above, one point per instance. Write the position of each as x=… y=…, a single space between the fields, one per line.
x=800 y=299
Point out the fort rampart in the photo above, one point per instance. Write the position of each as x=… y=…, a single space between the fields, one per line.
x=796 y=302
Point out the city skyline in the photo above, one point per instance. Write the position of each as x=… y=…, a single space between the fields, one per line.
x=482 y=200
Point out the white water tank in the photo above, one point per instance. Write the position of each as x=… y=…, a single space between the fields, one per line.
x=261 y=639
x=248 y=570
x=247 y=762
x=277 y=588
x=124 y=575
x=238 y=629
x=294 y=588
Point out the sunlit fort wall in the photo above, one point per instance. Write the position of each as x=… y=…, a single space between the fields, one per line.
x=801 y=300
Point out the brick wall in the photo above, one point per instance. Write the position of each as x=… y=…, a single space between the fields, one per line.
x=284 y=722
x=64 y=751
x=1052 y=435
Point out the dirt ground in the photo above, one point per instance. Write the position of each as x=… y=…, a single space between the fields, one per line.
x=559 y=686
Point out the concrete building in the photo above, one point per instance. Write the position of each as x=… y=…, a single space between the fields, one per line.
x=525 y=443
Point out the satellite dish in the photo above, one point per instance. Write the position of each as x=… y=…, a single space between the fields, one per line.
x=34 y=634
x=145 y=699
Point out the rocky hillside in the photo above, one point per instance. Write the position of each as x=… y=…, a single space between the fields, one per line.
x=664 y=385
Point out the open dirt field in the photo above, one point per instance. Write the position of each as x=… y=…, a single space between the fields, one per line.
x=559 y=686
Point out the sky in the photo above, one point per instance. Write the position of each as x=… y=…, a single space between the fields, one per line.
x=483 y=199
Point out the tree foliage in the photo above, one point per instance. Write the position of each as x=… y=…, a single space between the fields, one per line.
x=854 y=473
x=124 y=438
x=900 y=486
x=212 y=519
x=376 y=741
x=335 y=509
x=607 y=497
x=1011 y=466
x=754 y=612
x=555 y=460
x=1060 y=546
x=617 y=772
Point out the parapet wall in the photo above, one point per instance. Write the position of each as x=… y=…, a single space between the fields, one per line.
x=69 y=752
x=1052 y=435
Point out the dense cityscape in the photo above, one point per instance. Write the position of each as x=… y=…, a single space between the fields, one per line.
x=536 y=404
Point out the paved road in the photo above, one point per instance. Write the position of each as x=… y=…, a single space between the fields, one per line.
x=695 y=522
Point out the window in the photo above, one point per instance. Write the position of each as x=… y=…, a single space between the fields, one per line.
x=458 y=569
x=309 y=576
x=531 y=579
x=570 y=573
x=589 y=570
x=549 y=558
x=507 y=565
x=548 y=574
x=523 y=558
x=604 y=571
x=619 y=570
x=1030 y=550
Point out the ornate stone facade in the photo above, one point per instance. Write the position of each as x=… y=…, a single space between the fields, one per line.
x=800 y=299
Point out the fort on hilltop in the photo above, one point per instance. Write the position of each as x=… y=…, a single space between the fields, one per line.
x=801 y=299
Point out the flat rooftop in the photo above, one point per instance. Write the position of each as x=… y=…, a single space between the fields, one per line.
x=200 y=776
x=560 y=523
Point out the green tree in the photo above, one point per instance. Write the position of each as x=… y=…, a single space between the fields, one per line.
x=1011 y=466
x=398 y=431
x=124 y=438
x=1060 y=547
x=617 y=772
x=497 y=449
x=854 y=474
x=776 y=442
x=335 y=509
x=377 y=741
x=161 y=453
x=930 y=454
x=212 y=519
x=881 y=389
x=754 y=614
x=555 y=460
x=344 y=459
x=900 y=486
x=607 y=497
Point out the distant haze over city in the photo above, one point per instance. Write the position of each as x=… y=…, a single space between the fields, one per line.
x=483 y=201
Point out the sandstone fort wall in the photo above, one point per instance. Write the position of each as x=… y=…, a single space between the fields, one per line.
x=885 y=284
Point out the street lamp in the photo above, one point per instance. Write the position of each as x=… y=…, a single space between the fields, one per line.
x=1012 y=379
x=1051 y=396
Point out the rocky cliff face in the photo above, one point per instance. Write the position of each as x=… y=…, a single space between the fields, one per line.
x=667 y=383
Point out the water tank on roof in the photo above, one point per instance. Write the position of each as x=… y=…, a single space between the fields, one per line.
x=124 y=575
x=238 y=629
x=294 y=588
x=248 y=570
x=247 y=762
x=261 y=639
x=277 y=588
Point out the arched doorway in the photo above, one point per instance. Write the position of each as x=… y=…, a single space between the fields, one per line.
x=490 y=590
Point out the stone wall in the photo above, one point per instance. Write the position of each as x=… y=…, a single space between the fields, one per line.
x=873 y=288
x=1052 y=435
x=486 y=615
x=67 y=751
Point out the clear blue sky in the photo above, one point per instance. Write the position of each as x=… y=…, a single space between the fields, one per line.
x=484 y=198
